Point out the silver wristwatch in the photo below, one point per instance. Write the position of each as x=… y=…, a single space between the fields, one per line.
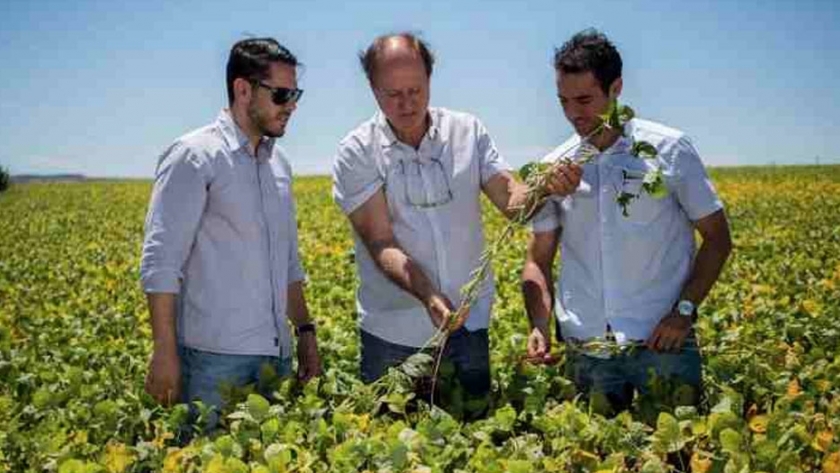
x=686 y=308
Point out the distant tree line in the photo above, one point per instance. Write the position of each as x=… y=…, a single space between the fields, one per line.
x=5 y=179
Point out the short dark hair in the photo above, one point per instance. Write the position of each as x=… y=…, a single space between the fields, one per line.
x=590 y=50
x=250 y=59
x=369 y=56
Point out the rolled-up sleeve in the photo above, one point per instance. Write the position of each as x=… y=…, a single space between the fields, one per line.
x=175 y=209
x=694 y=188
x=547 y=219
x=355 y=176
x=490 y=161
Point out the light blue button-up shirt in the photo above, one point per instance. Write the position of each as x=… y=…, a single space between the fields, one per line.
x=455 y=158
x=627 y=272
x=221 y=233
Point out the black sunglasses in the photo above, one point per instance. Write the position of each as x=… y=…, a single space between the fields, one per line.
x=282 y=95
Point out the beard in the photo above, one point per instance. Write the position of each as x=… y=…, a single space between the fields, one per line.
x=263 y=123
x=584 y=128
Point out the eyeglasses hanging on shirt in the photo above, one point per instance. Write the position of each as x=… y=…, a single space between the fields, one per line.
x=426 y=183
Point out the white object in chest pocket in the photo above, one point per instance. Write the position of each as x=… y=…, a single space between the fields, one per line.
x=643 y=208
x=283 y=184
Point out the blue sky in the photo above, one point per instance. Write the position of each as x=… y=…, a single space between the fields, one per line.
x=102 y=87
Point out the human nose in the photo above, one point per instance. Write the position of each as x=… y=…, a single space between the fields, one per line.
x=572 y=111
x=404 y=102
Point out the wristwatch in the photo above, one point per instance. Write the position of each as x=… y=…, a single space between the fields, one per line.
x=686 y=308
x=303 y=328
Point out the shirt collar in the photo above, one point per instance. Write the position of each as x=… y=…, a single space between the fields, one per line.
x=624 y=143
x=621 y=146
x=387 y=138
x=234 y=137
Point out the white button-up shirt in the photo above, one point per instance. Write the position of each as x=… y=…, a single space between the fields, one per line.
x=627 y=272
x=433 y=196
x=221 y=233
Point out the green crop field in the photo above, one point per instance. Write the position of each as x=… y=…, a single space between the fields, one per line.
x=75 y=340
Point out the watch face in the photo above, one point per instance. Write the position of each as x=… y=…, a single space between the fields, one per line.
x=685 y=308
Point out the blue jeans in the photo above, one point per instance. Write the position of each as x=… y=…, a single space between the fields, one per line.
x=205 y=374
x=619 y=376
x=468 y=351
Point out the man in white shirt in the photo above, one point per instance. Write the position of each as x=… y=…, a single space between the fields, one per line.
x=409 y=180
x=636 y=279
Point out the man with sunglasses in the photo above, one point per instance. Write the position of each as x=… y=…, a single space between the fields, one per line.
x=410 y=180
x=220 y=263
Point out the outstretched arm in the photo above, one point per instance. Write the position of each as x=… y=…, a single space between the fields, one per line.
x=372 y=223
x=538 y=291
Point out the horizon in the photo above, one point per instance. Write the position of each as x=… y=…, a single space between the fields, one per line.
x=58 y=176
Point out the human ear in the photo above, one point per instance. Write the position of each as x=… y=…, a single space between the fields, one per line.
x=615 y=88
x=242 y=89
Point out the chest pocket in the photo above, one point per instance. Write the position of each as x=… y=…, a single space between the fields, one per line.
x=283 y=185
x=642 y=209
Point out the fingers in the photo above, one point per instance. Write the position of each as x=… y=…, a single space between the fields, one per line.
x=441 y=319
x=162 y=392
x=673 y=342
x=653 y=342
x=309 y=361
x=460 y=318
x=576 y=172
x=534 y=348
x=440 y=310
x=666 y=339
x=163 y=380
x=565 y=179
x=538 y=347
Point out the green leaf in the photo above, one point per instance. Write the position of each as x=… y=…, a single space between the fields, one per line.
x=258 y=407
x=278 y=455
x=654 y=184
x=625 y=114
x=668 y=437
x=766 y=452
x=397 y=401
x=227 y=446
x=519 y=466
x=623 y=200
x=418 y=365
x=611 y=118
x=505 y=418
x=531 y=169
x=77 y=466
x=643 y=149
x=654 y=465
x=270 y=429
x=730 y=441
x=686 y=412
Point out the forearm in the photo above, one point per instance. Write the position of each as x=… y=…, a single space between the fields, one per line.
x=538 y=292
x=162 y=310
x=708 y=264
x=506 y=193
x=517 y=200
x=512 y=197
x=401 y=269
x=297 y=310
